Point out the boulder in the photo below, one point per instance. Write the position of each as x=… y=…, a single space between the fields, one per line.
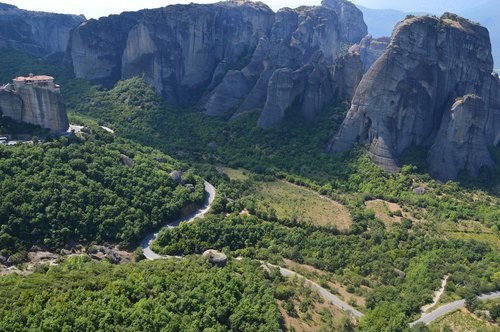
x=127 y=161
x=176 y=176
x=215 y=257
x=419 y=191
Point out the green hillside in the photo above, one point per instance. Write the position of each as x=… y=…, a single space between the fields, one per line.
x=80 y=190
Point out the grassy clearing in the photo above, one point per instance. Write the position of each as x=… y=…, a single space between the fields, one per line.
x=462 y=321
x=234 y=174
x=388 y=212
x=470 y=230
x=293 y=202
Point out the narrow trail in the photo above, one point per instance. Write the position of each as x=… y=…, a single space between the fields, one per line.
x=437 y=296
x=151 y=255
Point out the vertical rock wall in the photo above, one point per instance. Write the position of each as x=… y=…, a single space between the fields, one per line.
x=37 y=105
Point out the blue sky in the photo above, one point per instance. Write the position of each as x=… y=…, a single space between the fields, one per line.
x=95 y=8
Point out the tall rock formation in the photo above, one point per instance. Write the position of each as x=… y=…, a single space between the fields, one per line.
x=226 y=58
x=35 y=100
x=432 y=87
x=36 y=33
x=296 y=65
x=178 y=49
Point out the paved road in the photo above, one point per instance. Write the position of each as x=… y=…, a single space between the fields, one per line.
x=447 y=308
x=146 y=243
x=336 y=301
x=151 y=255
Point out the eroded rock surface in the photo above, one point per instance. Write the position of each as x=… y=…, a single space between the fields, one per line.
x=33 y=32
x=226 y=58
x=432 y=87
x=370 y=49
x=39 y=104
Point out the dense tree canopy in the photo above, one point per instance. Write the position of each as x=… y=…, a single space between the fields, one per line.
x=79 y=190
x=165 y=295
x=367 y=260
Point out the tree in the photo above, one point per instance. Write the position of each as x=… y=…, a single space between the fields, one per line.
x=495 y=312
x=471 y=302
x=420 y=327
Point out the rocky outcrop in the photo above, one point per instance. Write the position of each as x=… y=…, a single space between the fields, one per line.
x=215 y=257
x=227 y=58
x=432 y=87
x=469 y=127
x=294 y=66
x=37 y=104
x=352 y=25
x=178 y=49
x=370 y=49
x=36 y=33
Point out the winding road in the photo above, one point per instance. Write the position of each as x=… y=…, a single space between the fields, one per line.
x=151 y=255
x=426 y=318
x=146 y=243
x=447 y=308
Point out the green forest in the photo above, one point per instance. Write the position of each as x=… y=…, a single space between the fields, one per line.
x=78 y=190
x=165 y=295
x=369 y=260
x=407 y=230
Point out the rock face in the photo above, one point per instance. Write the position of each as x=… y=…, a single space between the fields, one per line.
x=294 y=65
x=227 y=58
x=469 y=128
x=36 y=33
x=432 y=87
x=370 y=49
x=177 y=48
x=35 y=102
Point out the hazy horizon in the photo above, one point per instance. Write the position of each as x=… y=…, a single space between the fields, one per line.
x=95 y=9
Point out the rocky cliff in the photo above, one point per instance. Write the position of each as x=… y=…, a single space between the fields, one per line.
x=40 y=105
x=432 y=87
x=36 y=33
x=370 y=49
x=226 y=58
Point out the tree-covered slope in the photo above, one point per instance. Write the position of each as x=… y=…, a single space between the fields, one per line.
x=86 y=190
x=165 y=295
